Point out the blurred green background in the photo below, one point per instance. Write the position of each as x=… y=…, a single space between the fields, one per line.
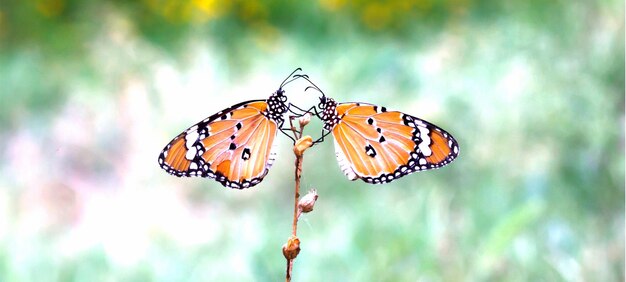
x=91 y=91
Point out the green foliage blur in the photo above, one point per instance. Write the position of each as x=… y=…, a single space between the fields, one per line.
x=91 y=91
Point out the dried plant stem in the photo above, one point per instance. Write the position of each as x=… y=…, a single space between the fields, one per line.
x=294 y=227
x=292 y=247
x=296 y=212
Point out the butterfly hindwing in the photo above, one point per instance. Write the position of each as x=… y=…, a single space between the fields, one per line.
x=380 y=146
x=233 y=146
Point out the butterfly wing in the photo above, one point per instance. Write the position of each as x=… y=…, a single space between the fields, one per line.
x=380 y=146
x=233 y=146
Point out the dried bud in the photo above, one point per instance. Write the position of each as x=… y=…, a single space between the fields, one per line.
x=302 y=144
x=291 y=248
x=304 y=120
x=307 y=202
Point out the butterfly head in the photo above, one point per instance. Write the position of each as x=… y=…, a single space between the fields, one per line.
x=277 y=105
x=277 y=102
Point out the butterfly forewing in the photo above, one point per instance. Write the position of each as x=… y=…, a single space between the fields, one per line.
x=379 y=146
x=233 y=146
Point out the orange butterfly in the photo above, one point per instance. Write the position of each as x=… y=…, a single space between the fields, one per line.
x=379 y=146
x=233 y=146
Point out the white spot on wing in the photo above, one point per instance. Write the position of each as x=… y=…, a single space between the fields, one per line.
x=424 y=145
x=191 y=153
x=419 y=123
x=190 y=138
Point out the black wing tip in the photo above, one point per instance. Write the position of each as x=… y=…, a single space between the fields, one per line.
x=215 y=176
x=245 y=184
x=407 y=169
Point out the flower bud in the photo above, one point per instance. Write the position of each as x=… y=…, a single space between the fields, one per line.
x=291 y=248
x=307 y=202
x=304 y=120
x=302 y=144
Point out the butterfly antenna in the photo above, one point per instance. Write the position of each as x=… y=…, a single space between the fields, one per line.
x=295 y=77
x=286 y=81
x=312 y=85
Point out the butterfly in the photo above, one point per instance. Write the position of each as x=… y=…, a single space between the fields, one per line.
x=234 y=146
x=377 y=145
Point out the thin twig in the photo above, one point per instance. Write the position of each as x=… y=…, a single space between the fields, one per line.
x=298 y=174
x=294 y=229
x=292 y=248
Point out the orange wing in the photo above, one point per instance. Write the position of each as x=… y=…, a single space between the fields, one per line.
x=233 y=146
x=380 y=146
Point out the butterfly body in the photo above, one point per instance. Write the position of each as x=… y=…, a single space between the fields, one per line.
x=379 y=146
x=233 y=146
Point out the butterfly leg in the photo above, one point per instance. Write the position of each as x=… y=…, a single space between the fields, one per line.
x=283 y=130
x=293 y=128
x=321 y=139
x=312 y=110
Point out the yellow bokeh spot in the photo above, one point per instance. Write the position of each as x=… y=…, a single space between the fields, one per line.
x=265 y=36
x=253 y=11
x=176 y=11
x=424 y=5
x=50 y=8
x=377 y=15
x=403 y=5
x=210 y=9
x=332 y=5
